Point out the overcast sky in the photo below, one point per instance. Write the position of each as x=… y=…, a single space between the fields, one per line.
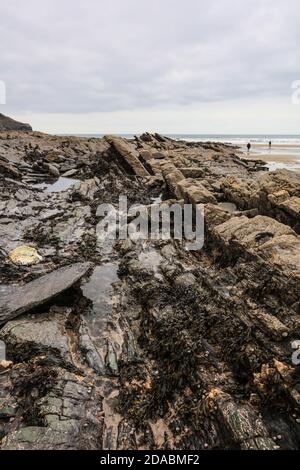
x=216 y=66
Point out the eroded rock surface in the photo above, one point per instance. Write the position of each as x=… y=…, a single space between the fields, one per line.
x=144 y=344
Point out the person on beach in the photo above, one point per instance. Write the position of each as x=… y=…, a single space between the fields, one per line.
x=270 y=145
x=249 y=146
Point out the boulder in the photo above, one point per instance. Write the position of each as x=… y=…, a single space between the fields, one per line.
x=71 y=412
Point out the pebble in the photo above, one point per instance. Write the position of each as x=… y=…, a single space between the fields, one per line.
x=5 y=364
x=25 y=256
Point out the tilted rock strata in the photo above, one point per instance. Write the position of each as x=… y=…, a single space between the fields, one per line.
x=158 y=347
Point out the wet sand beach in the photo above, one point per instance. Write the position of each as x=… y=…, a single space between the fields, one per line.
x=278 y=156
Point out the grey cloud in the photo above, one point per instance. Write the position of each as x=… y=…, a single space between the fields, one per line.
x=95 y=56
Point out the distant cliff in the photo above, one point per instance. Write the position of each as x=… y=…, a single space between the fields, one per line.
x=9 y=124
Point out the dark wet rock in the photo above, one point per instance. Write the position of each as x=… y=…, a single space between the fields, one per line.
x=89 y=350
x=242 y=422
x=44 y=334
x=21 y=299
x=67 y=414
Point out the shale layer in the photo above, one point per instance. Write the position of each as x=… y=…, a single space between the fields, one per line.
x=146 y=344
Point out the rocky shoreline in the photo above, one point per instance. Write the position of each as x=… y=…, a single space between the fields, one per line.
x=149 y=346
x=9 y=124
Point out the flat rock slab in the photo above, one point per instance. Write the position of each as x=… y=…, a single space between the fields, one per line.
x=18 y=300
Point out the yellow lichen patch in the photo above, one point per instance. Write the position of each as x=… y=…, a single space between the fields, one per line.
x=25 y=255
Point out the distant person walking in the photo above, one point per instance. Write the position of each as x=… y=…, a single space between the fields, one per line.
x=270 y=145
x=249 y=146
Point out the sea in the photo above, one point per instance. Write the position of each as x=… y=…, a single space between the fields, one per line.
x=238 y=139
